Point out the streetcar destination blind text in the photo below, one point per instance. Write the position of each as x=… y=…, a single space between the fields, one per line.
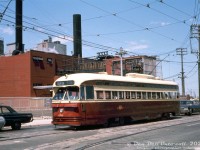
x=60 y=83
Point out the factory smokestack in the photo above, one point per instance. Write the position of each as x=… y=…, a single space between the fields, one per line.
x=19 y=28
x=77 y=35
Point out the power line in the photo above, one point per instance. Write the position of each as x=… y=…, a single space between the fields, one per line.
x=66 y=37
x=148 y=6
x=128 y=21
x=2 y=14
x=162 y=2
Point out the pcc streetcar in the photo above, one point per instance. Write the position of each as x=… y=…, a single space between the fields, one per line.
x=91 y=99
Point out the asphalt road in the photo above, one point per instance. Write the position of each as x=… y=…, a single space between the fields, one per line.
x=178 y=133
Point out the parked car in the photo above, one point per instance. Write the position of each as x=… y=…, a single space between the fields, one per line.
x=2 y=122
x=13 y=118
x=184 y=106
x=189 y=107
x=194 y=108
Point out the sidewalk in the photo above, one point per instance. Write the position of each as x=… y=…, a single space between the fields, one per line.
x=39 y=121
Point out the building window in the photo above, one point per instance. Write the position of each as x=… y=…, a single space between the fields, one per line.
x=37 y=59
x=37 y=84
x=49 y=60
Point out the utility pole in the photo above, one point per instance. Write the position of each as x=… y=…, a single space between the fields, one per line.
x=182 y=51
x=195 y=33
x=121 y=53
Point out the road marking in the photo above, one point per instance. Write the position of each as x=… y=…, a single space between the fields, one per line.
x=193 y=124
x=17 y=141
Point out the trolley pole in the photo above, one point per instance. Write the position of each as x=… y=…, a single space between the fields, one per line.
x=182 y=51
x=121 y=53
x=195 y=33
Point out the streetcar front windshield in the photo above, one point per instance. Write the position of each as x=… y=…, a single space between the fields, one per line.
x=68 y=93
x=59 y=94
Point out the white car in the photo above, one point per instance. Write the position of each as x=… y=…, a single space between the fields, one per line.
x=2 y=122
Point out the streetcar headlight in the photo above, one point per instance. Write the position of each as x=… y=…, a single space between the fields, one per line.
x=61 y=110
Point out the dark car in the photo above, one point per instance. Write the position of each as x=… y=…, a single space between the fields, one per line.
x=13 y=118
x=189 y=107
x=184 y=106
x=194 y=108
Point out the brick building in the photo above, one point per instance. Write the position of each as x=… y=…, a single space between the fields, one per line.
x=20 y=74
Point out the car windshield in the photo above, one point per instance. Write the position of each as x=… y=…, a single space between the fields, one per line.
x=69 y=93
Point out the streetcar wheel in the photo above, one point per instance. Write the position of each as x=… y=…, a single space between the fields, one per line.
x=121 y=121
x=106 y=124
x=16 y=126
x=166 y=116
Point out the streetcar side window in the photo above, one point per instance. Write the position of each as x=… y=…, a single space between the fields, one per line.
x=127 y=95
x=114 y=95
x=89 y=92
x=133 y=95
x=108 y=94
x=169 y=94
x=149 y=95
x=121 y=95
x=153 y=95
x=144 y=95
x=99 y=94
x=158 y=95
x=166 y=95
x=139 y=95
x=162 y=95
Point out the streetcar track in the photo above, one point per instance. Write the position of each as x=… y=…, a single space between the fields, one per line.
x=103 y=135
x=30 y=136
x=124 y=136
x=118 y=131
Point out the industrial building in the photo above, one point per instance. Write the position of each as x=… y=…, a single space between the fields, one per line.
x=21 y=74
x=1 y=46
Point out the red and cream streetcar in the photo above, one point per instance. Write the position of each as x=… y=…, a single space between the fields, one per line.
x=90 y=99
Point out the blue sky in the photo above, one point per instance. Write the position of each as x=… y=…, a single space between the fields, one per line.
x=141 y=27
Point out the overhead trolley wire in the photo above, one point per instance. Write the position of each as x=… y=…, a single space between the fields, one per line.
x=162 y=2
x=133 y=23
x=69 y=38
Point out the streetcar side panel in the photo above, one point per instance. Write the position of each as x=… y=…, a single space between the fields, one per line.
x=99 y=112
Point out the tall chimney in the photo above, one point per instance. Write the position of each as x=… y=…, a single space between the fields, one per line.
x=77 y=35
x=19 y=26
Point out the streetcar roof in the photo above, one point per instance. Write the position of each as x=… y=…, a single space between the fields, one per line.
x=79 y=78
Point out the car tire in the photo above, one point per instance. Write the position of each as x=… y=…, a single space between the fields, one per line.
x=190 y=112
x=16 y=126
x=2 y=119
